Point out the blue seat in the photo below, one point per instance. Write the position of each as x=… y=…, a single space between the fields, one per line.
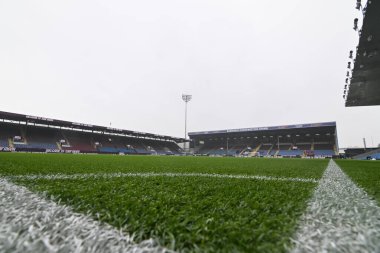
x=37 y=145
x=108 y=150
x=324 y=152
x=142 y=151
x=290 y=152
x=4 y=143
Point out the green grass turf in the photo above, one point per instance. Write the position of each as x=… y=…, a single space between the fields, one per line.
x=191 y=214
x=365 y=173
x=21 y=163
x=186 y=214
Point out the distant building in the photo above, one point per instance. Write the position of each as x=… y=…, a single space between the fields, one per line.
x=301 y=140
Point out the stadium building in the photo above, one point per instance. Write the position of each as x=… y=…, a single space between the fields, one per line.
x=28 y=133
x=362 y=83
x=302 y=140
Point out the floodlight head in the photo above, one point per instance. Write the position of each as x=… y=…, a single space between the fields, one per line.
x=186 y=98
x=356 y=20
x=358 y=4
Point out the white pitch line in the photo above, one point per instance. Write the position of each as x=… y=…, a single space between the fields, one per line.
x=30 y=223
x=153 y=174
x=340 y=217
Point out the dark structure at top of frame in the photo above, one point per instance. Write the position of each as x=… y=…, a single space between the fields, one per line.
x=364 y=88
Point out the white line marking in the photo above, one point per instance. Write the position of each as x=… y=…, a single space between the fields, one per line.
x=29 y=223
x=153 y=174
x=340 y=217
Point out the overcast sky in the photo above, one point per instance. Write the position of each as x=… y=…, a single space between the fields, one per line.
x=247 y=63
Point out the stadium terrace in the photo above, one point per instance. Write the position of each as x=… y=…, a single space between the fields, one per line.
x=28 y=133
x=302 y=140
x=363 y=83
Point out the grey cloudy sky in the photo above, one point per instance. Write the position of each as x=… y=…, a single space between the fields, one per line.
x=247 y=63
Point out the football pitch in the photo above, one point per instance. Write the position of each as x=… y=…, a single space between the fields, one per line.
x=184 y=204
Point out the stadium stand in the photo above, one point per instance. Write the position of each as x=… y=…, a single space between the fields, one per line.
x=78 y=141
x=363 y=84
x=36 y=134
x=353 y=152
x=372 y=153
x=38 y=138
x=108 y=144
x=6 y=134
x=304 y=146
x=316 y=140
x=291 y=153
x=265 y=148
x=4 y=143
x=324 y=152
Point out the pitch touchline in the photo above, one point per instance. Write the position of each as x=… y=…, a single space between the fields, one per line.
x=30 y=223
x=340 y=217
x=154 y=174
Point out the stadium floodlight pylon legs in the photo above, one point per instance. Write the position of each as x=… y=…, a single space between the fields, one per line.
x=186 y=99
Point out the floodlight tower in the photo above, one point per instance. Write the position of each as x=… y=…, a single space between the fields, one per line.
x=186 y=99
